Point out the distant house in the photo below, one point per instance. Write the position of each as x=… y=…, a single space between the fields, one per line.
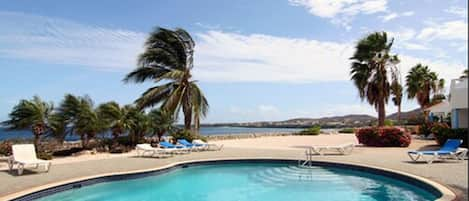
x=458 y=103
x=439 y=110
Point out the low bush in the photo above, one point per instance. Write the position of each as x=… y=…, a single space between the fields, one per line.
x=67 y=152
x=44 y=155
x=187 y=135
x=315 y=130
x=388 y=122
x=383 y=137
x=425 y=129
x=347 y=130
x=5 y=148
x=443 y=133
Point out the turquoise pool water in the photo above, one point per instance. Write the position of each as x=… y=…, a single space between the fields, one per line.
x=251 y=182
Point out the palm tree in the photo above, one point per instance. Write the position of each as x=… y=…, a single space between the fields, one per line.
x=168 y=61
x=57 y=127
x=115 y=118
x=79 y=114
x=396 y=91
x=139 y=124
x=161 y=122
x=371 y=64
x=31 y=114
x=422 y=83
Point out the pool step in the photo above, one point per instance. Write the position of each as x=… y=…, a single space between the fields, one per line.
x=292 y=175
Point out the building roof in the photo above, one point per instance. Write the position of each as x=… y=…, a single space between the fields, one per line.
x=443 y=107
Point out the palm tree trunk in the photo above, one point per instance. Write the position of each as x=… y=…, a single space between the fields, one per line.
x=36 y=140
x=399 y=114
x=83 y=141
x=187 y=115
x=381 y=112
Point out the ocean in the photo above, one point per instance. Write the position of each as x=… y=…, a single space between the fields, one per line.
x=225 y=130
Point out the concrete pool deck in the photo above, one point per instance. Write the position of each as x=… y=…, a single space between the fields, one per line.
x=450 y=173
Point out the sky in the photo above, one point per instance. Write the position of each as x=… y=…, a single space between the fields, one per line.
x=255 y=60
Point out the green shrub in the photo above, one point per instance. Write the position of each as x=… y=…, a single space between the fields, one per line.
x=444 y=133
x=425 y=129
x=347 y=130
x=388 y=122
x=67 y=152
x=5 y=148
x=187 y=135
x=44 y=155
x=315 y=130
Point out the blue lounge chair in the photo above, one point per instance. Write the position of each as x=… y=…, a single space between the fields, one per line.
x=449 y=149
x=180 y=148
x=187 y=144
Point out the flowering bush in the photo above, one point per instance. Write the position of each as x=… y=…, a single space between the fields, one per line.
x=5 y=148
x=383 y=137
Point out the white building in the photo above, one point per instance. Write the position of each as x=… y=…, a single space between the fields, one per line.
x=458 y=103
x=440 y=110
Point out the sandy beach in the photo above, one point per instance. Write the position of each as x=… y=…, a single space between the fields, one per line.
x=450 y=173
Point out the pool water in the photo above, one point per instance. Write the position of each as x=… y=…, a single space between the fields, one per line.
x=251 y=182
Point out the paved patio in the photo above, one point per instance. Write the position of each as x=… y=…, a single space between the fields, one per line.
x=451 y=173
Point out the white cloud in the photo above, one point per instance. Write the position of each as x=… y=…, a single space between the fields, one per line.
x=402 y=35
x=389 y=17
x=329 y=9
x=414 y=46
x=220 y=56
x=232 y=57
x=458 y=11
x=408 y=13
x=58 y=41
x=394 y=15
x=451 y=30
x=341 y=11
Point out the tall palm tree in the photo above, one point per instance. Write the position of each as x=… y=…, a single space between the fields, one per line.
x=31 y=114
x=168 y=61
x=161 y=122
x=421 y=83
x=79 y=114
x=396 y=91
x=372 y=63
x=115 y=118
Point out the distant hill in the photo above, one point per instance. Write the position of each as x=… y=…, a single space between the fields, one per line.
x=325 y=122
x=352 y=120
x=407 y=115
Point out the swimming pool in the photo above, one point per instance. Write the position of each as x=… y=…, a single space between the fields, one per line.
x=250 y=181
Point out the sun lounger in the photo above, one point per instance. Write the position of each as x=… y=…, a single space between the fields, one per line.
x=449 y=150
x=25 y=155
x=147 y=149
x=206 y=146
x=189 y=145
x=177 y=148
x=343 y=149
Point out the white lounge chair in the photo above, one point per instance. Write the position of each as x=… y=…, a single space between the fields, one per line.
x=206 y=146
x=343 y=149
x=25 y=155
x=143 y=149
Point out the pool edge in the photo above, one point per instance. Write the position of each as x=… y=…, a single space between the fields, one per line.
x=446 y=193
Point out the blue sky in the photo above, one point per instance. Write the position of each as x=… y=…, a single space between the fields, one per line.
x=255 y=60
